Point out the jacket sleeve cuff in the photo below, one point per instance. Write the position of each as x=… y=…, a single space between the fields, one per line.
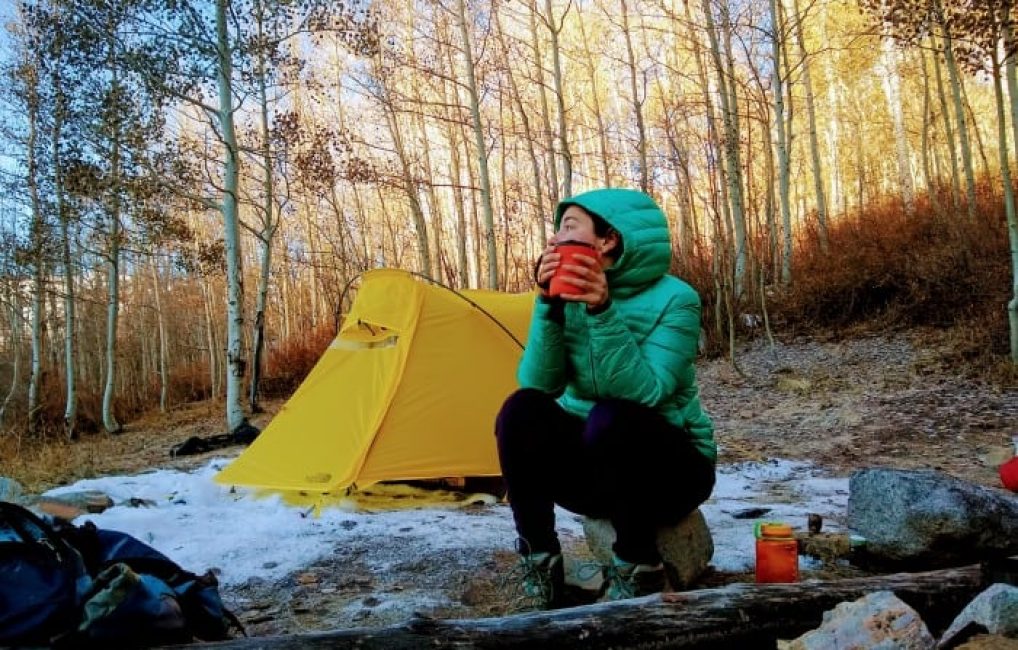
x=550 y=309
x=600 y=309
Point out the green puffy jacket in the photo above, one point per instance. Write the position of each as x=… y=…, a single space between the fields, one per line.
x=643 y=346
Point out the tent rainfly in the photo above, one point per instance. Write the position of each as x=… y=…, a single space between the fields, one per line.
x=408 y=389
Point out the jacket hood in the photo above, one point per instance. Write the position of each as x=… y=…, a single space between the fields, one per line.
x=647 y=252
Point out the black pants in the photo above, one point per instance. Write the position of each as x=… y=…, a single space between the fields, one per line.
x=625 y=463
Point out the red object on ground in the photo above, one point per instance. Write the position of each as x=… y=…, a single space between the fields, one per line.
x=777 y=553
x=1009 y=474
x=567 y=249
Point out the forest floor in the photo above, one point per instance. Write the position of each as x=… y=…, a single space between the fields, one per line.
x=873 y=400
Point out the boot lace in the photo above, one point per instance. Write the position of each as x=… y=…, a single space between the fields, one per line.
x=530 y=582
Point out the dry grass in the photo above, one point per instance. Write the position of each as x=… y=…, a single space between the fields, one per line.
x=42 y=464
x=884 y=270
x=48 y=459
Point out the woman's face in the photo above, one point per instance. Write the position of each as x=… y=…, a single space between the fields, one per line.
x=577 y=225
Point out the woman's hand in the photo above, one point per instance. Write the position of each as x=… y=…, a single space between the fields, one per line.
x=590 y=281
x=546 y=266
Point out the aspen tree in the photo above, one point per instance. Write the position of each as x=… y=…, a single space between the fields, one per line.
x=892 y=89
x=590 y=65
x=641 y=129
x=28 y=77
x=552 y=165
x=491 y=249
x=528 y=136
x=781 y=144
x=269 y=224
x=164 y=380
x=932 y=190
x=945 y=112
x=959 y=111
x=555 y=29
x=718 y=32
x=814 y=144
x=456 y=179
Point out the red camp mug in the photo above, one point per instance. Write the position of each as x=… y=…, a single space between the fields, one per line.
x=566 y=250
x=1009 y=474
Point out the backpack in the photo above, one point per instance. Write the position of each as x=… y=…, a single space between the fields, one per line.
x=43 y=579
x=72 y=586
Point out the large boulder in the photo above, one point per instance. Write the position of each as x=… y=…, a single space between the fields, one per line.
x=877 y=620
x=686 y=548
x=925 y=518
x=994 y=611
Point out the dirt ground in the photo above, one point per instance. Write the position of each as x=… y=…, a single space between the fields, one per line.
x=878 y=400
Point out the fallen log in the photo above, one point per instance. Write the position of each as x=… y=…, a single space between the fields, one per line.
x=737 y=615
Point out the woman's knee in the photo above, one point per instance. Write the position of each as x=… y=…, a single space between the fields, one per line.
x=611 y=422
x=521 y=412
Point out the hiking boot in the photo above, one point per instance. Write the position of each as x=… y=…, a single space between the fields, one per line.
x=630 y=580
x=539 y=580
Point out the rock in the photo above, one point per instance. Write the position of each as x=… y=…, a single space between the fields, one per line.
x=995 y=611
x=989 y=642
x=70 y=505
x=877 y=620
x=927 y=518
x=10 y=490
x=826 y=547
x=686 y=547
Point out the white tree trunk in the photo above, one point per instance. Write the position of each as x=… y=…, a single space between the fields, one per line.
x=210 y=338
x=730 y=117
x=70 y=369
x=269 y=224
x=161 y=321
x=563 y=134
x=482 y=151
x=1009 y=209
x=231 y=228
x=541 y=214
x=112 y=315
x=839 y=197
x=945 y=112
x=928 y=175
x=1012 y=77
x=1012 y=220
x=38 y=273
x=641 y=129
x=549 y=141
x=814 y=144
x=595 y=101
x=14 y=318
x=451 y=98
x=963 y=132
x=409 y=183
x=782 y=145
x=892 y=91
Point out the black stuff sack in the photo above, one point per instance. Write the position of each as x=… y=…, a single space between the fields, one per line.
x=127 y=608
x=141 y=597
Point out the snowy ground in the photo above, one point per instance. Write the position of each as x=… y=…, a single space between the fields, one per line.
x=202 y=525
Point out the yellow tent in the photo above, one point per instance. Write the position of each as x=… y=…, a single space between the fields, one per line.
x=409 y=389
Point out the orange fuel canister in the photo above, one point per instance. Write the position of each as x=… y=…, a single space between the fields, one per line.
x=777 y=553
